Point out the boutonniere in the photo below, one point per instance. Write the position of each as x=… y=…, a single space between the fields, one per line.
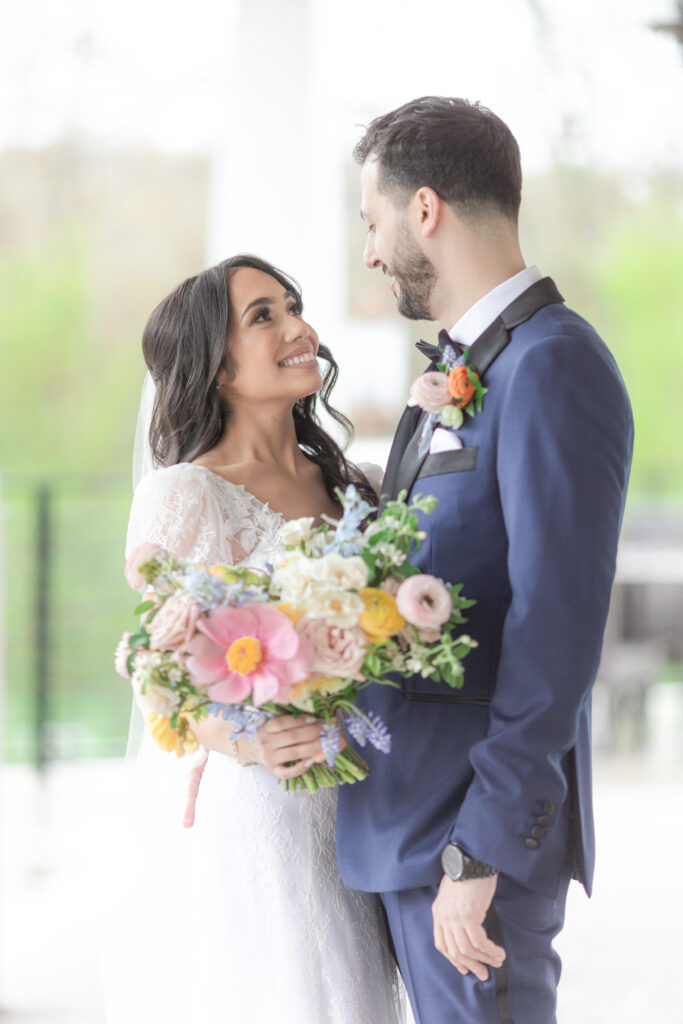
x=449 y=393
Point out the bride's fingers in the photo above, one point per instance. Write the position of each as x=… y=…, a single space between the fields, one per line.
x=291 y=771
x=294 y=734
x=297 y=752
x=286 y=723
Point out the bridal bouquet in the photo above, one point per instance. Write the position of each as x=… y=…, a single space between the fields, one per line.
x=342 y=610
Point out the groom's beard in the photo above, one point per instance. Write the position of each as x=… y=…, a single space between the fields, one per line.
x=415 y=275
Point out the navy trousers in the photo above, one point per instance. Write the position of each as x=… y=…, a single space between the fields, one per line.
x=522 y=991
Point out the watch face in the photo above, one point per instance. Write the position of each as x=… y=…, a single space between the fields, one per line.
x=453 y=862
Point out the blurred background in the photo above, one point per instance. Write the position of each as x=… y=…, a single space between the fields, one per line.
x=141 y=142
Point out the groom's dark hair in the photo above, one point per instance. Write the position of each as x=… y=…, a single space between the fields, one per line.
x=457 y=147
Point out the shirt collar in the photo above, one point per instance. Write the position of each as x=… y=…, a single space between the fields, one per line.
x=478 y=317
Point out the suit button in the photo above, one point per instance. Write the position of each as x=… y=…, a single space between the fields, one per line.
x=538 y=832
x=531 y=844
x=549 y=807
x=543 y=819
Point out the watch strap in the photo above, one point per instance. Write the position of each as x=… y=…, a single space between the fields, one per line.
x=477 y=869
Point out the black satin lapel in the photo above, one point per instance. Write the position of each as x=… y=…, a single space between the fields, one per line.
x=493 y=340
x=542 y=293
x=404 y=432
x=411 y=462
x=488 y=346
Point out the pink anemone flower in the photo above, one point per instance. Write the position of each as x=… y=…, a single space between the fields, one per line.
x=252 y=650
x=424 y=601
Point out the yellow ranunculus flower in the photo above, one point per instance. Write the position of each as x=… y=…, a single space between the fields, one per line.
x=381 y=618
x=293 y=614
x=182 y=741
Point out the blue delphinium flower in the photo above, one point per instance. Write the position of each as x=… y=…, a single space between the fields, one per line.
x=253 y=594
x=207 y=590
x=330 y=741
x=246 y=719
x=346 y=532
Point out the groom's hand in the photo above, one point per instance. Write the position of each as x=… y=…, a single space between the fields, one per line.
x=459 y=911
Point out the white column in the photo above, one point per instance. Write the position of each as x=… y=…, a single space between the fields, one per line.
x=278 y=182
x=261 y=172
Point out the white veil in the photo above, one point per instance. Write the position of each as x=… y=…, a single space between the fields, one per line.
x=143 y=463
x=143 y=460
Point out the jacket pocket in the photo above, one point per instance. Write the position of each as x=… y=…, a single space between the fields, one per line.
x=447 y=698
x=461 y=460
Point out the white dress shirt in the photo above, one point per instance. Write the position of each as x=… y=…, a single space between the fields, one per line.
x=472 y=324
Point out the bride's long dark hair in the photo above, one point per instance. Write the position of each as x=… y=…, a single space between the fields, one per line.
x=185 y=345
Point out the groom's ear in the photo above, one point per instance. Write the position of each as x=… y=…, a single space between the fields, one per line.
x=428 y=210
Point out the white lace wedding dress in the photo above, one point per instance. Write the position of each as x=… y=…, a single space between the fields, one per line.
x=257 y=926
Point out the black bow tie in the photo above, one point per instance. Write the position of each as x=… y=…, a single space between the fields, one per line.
x=435 y=352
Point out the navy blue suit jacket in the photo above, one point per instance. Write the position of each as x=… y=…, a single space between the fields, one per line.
x=528 y=520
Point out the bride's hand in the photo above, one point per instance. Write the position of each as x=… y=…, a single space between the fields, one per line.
x=285 y=739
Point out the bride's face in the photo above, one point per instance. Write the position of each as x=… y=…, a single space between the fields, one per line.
x=272 y=347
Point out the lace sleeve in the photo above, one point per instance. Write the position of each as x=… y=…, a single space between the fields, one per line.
x=177 y=508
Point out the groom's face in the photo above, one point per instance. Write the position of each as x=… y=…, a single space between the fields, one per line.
x=391 y=246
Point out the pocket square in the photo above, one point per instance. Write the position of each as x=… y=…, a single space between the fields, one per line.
x=444 y=441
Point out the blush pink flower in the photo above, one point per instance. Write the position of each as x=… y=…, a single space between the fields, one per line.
x=252 y=650
x=336 y=651
x=426 y=635
x=424 y=601
x=173 y=626
x=137 y=559
x=430 y=391
x=123 y=652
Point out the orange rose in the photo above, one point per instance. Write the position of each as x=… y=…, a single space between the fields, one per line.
x=460 y=387
x=381 y=618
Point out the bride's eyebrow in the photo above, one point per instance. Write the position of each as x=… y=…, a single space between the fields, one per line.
x=264 y=300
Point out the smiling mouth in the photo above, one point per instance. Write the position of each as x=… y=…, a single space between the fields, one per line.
x=305 y=358
x=392 y=280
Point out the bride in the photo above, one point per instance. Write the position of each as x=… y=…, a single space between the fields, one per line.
x=273 y=934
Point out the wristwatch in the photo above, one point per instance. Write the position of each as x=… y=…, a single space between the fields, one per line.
x=459 y=866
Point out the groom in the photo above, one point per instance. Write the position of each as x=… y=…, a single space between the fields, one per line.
x=472 y=828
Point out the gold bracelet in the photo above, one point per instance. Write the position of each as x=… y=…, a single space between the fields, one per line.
x=238 y=757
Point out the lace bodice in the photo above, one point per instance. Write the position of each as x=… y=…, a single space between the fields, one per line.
x=196 y=514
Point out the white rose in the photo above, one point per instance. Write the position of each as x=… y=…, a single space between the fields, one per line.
x=297 y=531
x=293 y=579
x=336 y=571
x=159 y=700
x=336 y=607
x=156 y=698
x=150 y=695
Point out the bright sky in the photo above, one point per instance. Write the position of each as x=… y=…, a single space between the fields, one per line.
x=589 y=72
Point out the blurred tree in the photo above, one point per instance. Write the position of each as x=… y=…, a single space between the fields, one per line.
x=615 y=249
x=64 y=397
x=90 y=242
